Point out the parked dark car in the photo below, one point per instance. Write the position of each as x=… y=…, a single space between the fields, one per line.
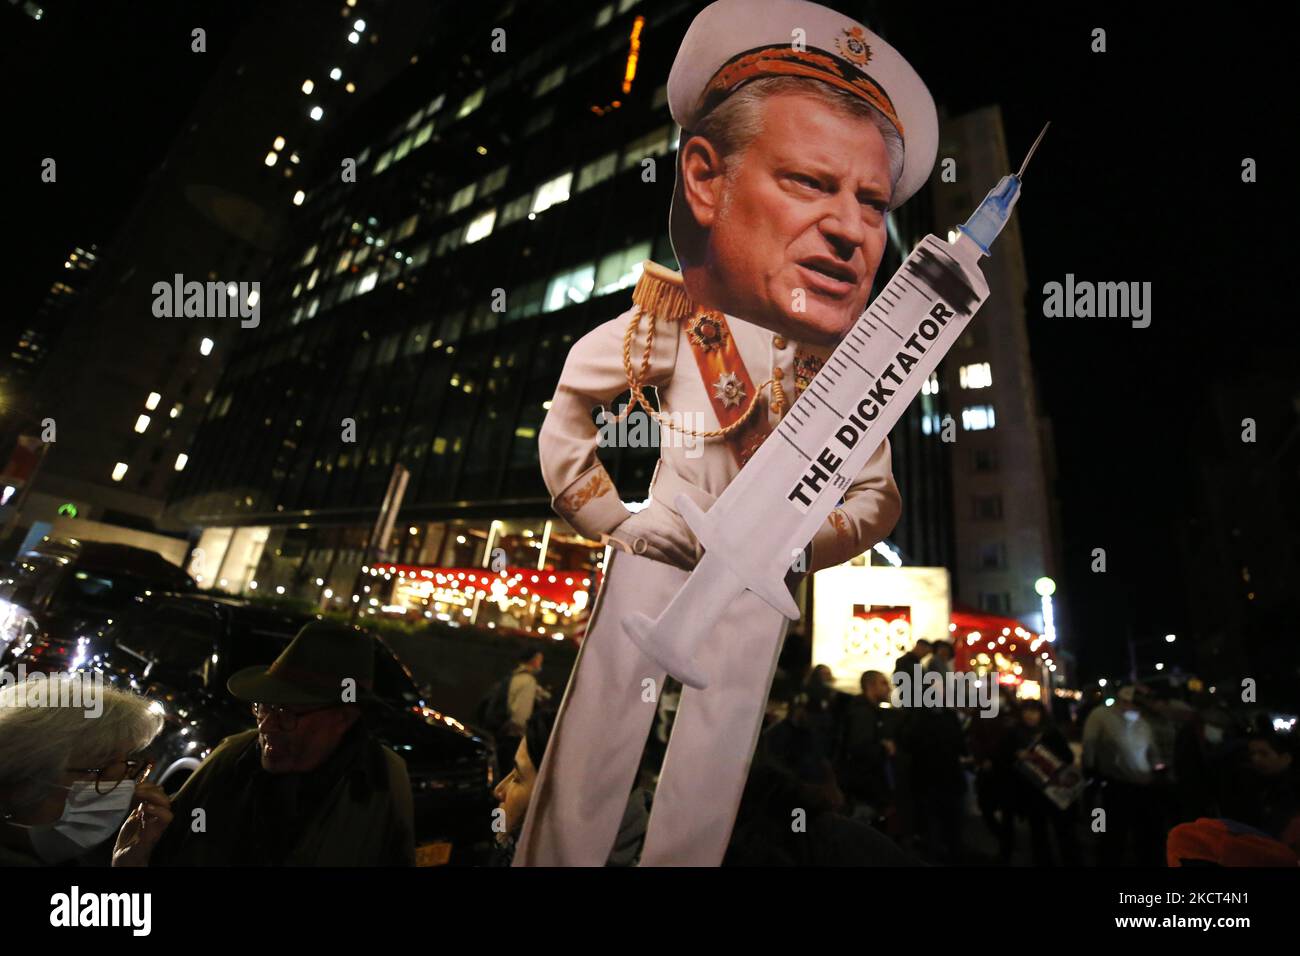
x=179 y=649
x=67 y=588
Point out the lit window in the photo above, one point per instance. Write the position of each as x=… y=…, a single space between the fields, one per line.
x=345 y=260
x=931 y=385
x=462 y=198
x=142 y=423
x=316 y=113
x=977 y=418
x=308 y=86
x=655 y=143
x=470 y=103
x=407 y=226
x=279 y=143
x=515 y=209
x=550 y=81
x=569 y=288
x=368 y=282
x=181 y=460
x=176 y=410
x=493 y=181
x=597 y=171
x=539 y=121
x=205 y=347
x=354 y=37
x=480 y=226
x=383 y=161
x=272 y=157
x=605 y=15
x=298 y=197
x=423 y=135
x=336 y=74
x=309 y=256
x=621 y=269
x=152 y=401
x=979 y=375
x=552 y=193
x=315 y=274
x=119 y=471
x=359 y=26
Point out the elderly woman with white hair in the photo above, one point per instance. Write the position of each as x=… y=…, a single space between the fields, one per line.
x=71 y=771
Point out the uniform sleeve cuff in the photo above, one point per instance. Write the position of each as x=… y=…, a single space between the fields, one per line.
x=591 y=504
x=834 y=543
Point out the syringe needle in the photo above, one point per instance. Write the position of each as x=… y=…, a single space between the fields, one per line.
x=1021 y=174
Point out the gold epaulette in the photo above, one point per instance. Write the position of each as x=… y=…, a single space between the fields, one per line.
x=662 y=293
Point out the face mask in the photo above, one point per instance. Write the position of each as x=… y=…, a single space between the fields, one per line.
x=88 y=819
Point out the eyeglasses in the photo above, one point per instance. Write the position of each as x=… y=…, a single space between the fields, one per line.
x=107 y=778
x=288 y=718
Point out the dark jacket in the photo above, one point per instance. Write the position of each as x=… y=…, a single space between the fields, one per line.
x=353 y=810
x=862 y=761
x=13 y=856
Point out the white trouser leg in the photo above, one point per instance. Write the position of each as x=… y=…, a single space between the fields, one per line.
x=713 y=740
x=601 y=728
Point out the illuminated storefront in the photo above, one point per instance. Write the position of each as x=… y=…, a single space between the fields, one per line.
x=533 y=576
x=865 y=618
x=548 y=602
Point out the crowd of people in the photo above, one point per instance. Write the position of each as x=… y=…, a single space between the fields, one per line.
x=1134 y=779
x=1145 y=777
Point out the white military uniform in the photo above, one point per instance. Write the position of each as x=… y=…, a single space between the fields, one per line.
x=609 y=706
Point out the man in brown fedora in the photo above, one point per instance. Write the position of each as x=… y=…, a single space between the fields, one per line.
x=310 y=786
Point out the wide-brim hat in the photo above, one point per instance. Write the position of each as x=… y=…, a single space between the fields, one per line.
x=731 y=42
x=313 y=669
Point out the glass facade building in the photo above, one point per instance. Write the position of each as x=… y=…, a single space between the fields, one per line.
x=504 y=197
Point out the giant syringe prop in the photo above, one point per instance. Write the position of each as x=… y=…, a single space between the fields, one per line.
x=761 y=523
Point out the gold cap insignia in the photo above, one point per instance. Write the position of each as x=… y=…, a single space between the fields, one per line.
x=853 y=46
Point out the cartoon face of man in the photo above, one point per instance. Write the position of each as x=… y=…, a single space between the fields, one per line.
x=790 y=217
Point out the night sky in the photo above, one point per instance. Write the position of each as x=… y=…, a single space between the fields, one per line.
x=1138 y=180
x=105 y=90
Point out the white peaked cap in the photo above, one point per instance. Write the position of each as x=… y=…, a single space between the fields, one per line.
x=731 y=42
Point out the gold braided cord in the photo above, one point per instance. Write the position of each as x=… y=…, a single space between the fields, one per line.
x=636 y=383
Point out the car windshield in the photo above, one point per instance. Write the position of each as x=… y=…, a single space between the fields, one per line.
x=97 y=590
